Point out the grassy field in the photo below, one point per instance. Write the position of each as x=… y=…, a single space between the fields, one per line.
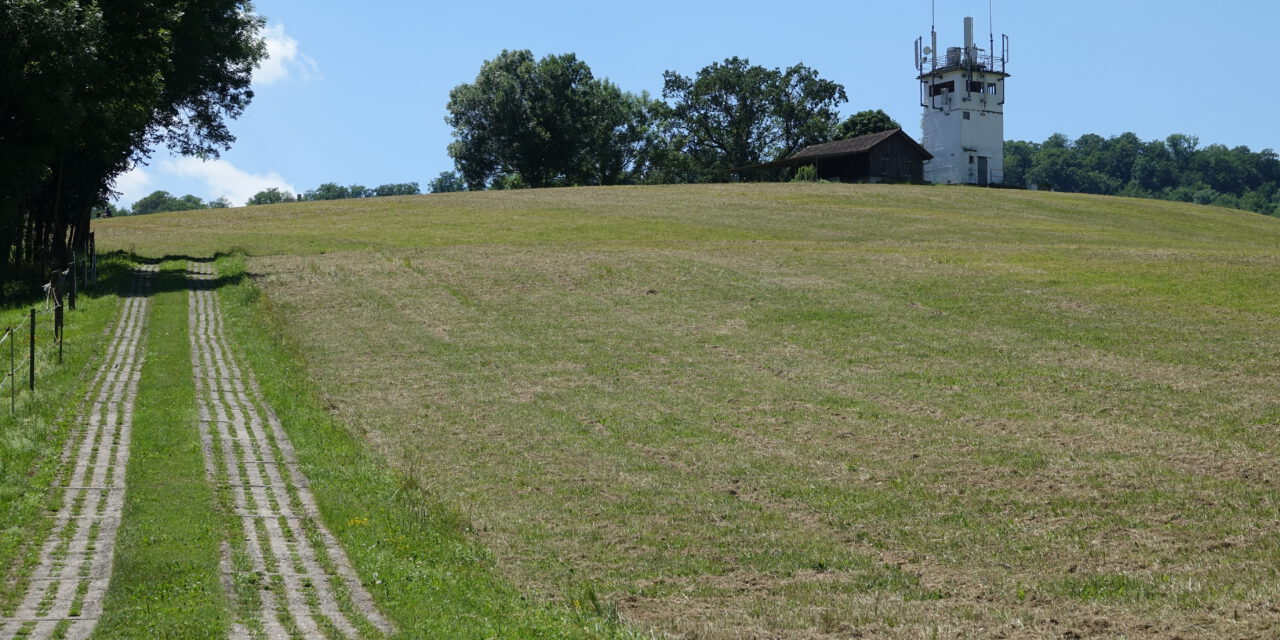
x=795 y=410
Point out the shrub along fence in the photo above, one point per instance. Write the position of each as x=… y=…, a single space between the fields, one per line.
x=41 y=330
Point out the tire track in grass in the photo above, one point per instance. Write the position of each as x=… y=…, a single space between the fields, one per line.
x=288 y=575
x=64 y=594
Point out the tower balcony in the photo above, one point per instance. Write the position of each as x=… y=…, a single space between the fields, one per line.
x=956 y=60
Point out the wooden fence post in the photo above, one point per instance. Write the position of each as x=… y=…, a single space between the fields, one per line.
x=13 y=376
x=31 y=375
x=74 y=278
x=57 y=329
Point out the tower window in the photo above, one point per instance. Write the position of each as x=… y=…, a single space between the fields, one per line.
x=966 y=115
x=991 y=88
x=942 y=88
x=975 y=86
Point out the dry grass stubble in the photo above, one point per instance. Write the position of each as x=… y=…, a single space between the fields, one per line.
x=670 y=427
x=812 y=410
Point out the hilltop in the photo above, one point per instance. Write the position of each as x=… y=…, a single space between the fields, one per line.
x=726 y=411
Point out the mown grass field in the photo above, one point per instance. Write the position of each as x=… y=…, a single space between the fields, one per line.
x=797 y=411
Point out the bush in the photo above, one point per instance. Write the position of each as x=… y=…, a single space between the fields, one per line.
x=508 y=181
x=807 y=173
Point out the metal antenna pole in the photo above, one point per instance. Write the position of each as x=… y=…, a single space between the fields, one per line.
x=991 y=30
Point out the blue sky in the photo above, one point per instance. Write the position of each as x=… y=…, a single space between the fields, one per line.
x=356 y=92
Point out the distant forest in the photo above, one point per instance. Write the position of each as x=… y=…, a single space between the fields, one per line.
x=1175 y=168
x=163 y=201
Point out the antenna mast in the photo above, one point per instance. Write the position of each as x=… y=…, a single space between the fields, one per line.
x=991 y=31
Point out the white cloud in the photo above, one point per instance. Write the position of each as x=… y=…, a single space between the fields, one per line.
x=132 y=185
x=283 y=60
x=225 y=179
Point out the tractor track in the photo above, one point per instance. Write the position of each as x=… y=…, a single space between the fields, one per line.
x=303 y=585
x=65 y=591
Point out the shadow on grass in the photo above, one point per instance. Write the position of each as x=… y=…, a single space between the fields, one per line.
x=175 y=281
x=113 y=271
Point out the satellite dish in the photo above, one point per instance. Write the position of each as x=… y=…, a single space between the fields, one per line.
x=928 y=50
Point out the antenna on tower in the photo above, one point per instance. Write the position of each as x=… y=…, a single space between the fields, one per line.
x=991 y=31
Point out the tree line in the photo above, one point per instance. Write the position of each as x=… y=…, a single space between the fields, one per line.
x=163 y=201
x=527 y=122
x=1176 y=168
x=87 y=89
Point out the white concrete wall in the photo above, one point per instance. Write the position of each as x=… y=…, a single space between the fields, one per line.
x=953 y=140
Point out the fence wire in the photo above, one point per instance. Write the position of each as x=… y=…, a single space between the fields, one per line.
x=54 y=305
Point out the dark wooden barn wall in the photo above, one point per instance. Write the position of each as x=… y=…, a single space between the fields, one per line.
x=894 y=160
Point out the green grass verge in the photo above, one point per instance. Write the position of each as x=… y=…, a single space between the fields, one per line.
x=415 y=555
x=165 y=583
x=32 y=436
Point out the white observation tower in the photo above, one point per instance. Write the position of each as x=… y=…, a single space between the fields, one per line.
x=962 y=92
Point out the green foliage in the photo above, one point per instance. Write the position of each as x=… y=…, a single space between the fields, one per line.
x=270 y=196
x=548 y=120
x=447 y=182
x=328 y=191
x=734 y=114
x=334 y=191
x=865 y=123
x=1175 y=168
x=508 y=181
x=398 y=189
x=807 y=173
x=90 y=88
x=160 y=201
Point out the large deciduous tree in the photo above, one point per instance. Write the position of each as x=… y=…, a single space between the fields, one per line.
x=733 y=114
x=88 y=88
x=543 y=123
x=865 y=123
x=161 y=201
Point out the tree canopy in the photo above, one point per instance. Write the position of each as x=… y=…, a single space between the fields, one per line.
x=865 y=123
x=271 y=195
x=447 y=182
x=335 y=191
x=1176 y=168
x=526 y=122
x=733 y=114
x=89 y=88
x=548 y=121
x=160 y=201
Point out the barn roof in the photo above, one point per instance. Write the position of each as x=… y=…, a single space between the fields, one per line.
x=850 y=146
x=839 y=148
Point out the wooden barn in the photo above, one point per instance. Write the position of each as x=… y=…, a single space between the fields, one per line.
x=890 y=156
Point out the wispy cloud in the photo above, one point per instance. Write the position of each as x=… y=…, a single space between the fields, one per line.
x=284 y=59
x=225 y=179
x=132 y=185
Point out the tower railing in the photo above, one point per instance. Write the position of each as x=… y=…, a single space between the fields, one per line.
x=978 y=62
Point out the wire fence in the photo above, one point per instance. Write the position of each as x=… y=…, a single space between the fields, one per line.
x=43 y=327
